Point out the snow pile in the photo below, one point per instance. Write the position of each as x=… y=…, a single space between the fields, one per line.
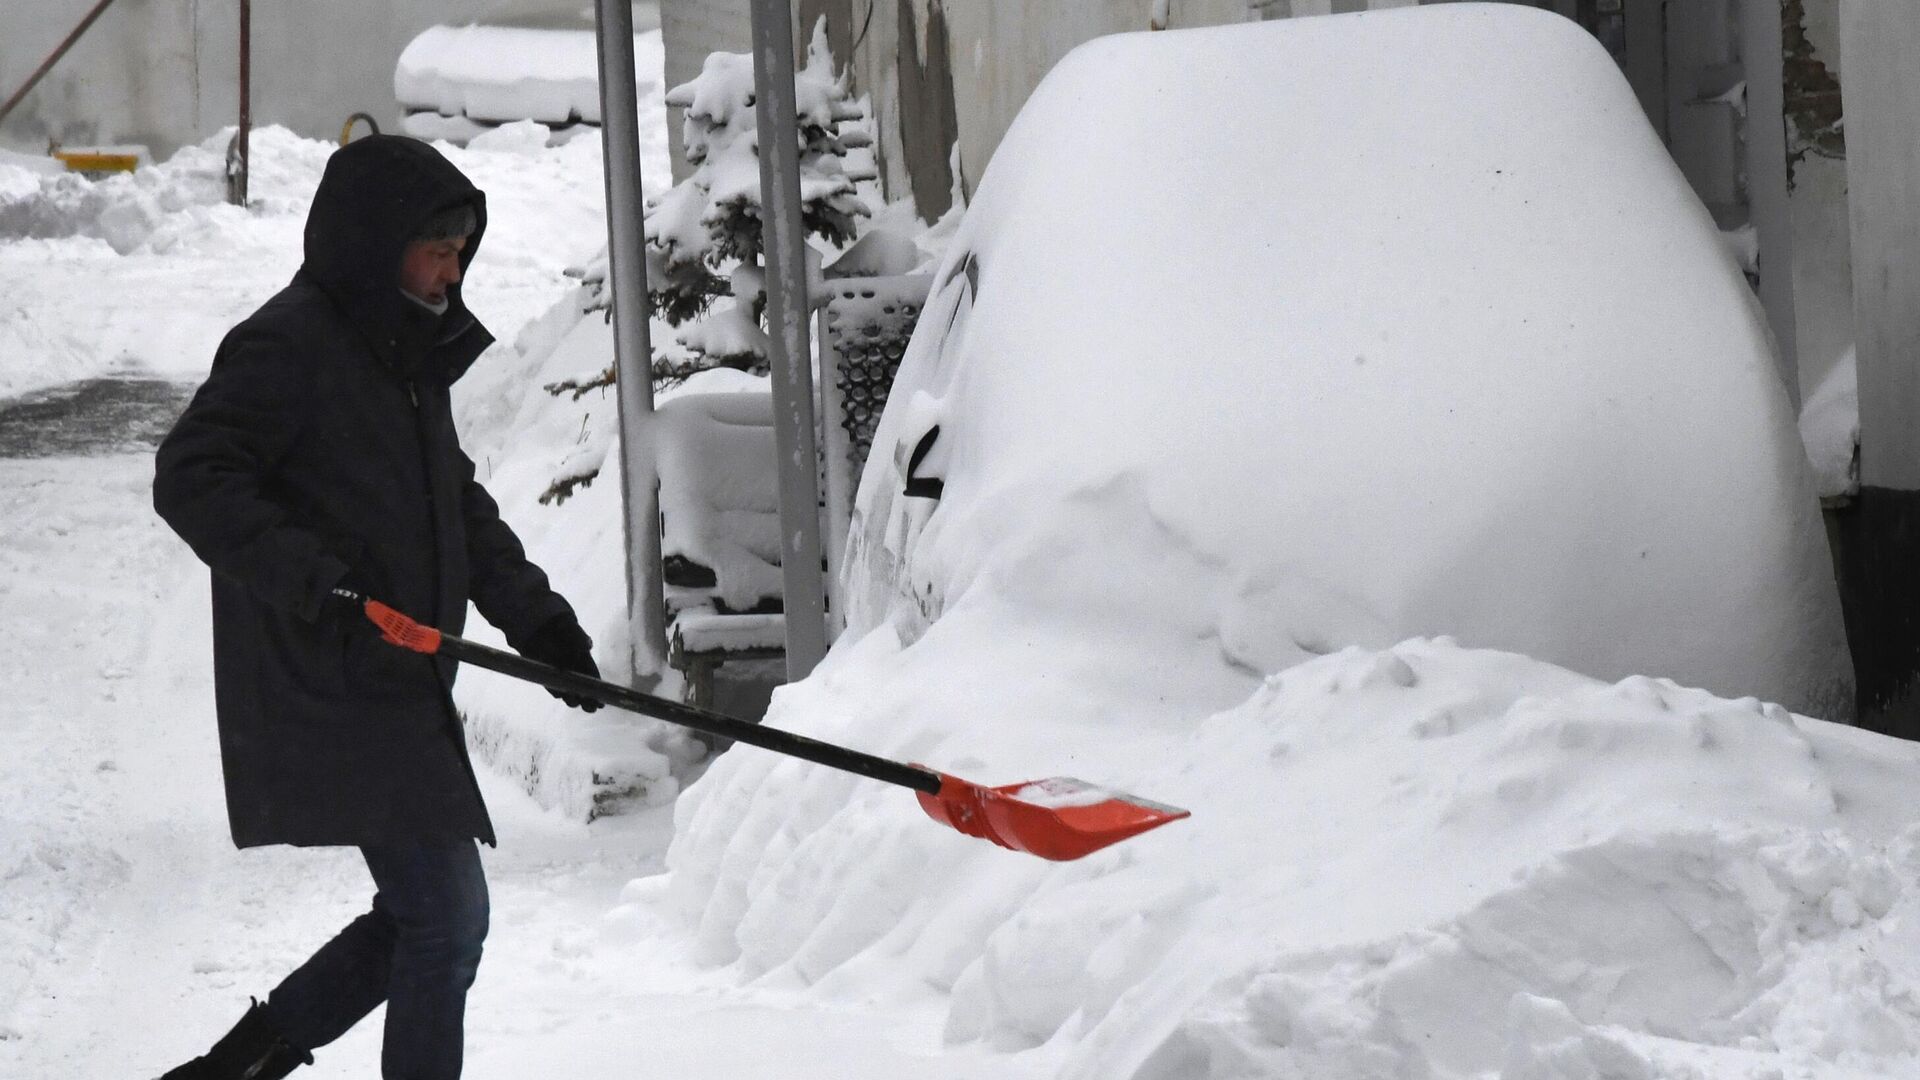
x=155 y=208
x=1417 y=861
x=21 y=174
x=494 y=74
x=144 y=271
x=1198 y=533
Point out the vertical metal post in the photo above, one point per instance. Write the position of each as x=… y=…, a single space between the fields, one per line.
x=237 y=183
x=785 y=245
x=1761 y=56
x=633 y=351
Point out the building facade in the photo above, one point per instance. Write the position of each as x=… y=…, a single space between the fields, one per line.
x=165 y=73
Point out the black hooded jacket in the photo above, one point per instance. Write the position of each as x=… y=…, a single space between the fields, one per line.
x=322 y=442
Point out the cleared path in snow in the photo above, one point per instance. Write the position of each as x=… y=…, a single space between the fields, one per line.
x=91 y=417
x=132 y=933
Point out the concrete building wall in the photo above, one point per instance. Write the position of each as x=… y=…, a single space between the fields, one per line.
x=1883 y=162
x=166 y=72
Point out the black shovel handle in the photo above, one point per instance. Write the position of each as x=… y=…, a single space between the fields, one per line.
x=673 y=712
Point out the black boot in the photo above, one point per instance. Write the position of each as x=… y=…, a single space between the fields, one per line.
x=251 y=1051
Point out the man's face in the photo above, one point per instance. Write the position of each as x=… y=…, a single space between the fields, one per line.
x=427 y=267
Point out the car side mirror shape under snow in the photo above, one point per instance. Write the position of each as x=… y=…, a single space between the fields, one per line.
x=923 y=487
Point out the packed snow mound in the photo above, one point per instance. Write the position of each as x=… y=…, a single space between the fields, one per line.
x=1422 y=861
x=159 y=208
x=1417 y=343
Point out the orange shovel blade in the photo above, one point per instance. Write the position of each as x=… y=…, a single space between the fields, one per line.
x=1059 y=818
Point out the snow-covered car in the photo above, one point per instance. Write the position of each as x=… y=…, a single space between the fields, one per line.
x=1373 y=359
x=1354 y=431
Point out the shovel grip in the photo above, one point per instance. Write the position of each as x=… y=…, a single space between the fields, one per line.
x=399 y=630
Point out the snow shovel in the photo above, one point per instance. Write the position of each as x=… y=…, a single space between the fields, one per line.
x=1058 y=818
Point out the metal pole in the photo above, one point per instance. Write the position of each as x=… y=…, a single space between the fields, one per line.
x=633 y=351
x=1768 y=198
x=46 y=65
x=785 y=244
x=237 y=189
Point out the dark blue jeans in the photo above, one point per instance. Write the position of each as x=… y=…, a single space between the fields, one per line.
x=417 y=950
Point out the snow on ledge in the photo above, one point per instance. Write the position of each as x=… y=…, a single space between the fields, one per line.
x=497 y=74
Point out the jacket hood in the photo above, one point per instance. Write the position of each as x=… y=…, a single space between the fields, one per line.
x=375 y=194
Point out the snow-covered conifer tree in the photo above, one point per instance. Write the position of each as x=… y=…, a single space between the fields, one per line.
x=705 y=266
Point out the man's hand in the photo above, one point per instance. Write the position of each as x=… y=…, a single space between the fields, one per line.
x=561 y=643
x=345 y=605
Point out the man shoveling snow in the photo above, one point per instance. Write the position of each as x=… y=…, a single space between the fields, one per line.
x=319 y=453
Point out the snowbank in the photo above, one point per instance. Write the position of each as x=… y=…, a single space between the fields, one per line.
x=1199 y=530
x=156 y=208
x=1417 y=861
x=146 y=270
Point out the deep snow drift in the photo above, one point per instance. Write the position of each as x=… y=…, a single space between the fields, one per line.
x=1197 y=533
x=1416 y=861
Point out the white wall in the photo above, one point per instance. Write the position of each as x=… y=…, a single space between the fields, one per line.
x=1882 y=87
x=165 y=72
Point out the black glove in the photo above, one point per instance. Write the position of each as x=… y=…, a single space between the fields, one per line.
x=344 y=606
x=561 y=643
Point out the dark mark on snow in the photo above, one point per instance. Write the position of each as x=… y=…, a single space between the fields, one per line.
x=91 y=418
